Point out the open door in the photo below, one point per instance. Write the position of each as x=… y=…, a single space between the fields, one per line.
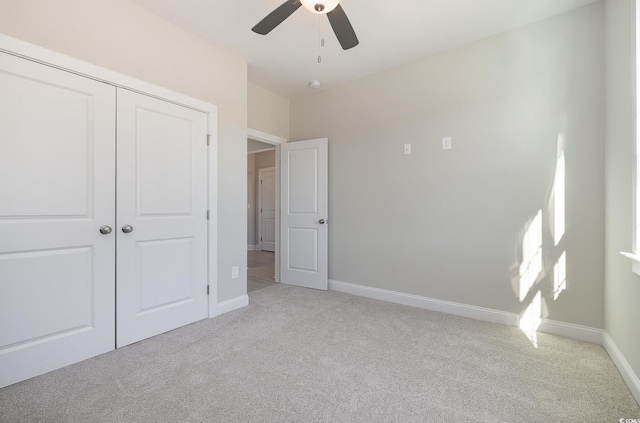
x=304 y=213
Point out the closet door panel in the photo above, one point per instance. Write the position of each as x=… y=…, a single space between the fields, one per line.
x=161 y=209
x=57 y=189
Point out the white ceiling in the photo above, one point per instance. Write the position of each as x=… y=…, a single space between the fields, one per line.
x=391 y=33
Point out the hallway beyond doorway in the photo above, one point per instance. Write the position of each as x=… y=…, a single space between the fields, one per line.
x=261 y=270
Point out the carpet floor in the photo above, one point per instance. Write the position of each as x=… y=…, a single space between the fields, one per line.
x=300 y=355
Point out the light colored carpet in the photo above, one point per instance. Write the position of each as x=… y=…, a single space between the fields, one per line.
x=299 y=355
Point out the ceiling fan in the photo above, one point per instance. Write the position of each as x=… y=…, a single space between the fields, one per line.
x=337 y=18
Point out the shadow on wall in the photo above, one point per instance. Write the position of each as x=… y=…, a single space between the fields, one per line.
x=542 y=274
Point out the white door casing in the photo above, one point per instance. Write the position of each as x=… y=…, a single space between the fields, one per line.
x=267 y=204
x=162 y=197
x=57 y=188
x=304 y=213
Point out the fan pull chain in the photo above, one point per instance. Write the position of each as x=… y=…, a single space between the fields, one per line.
x=320 y=38
x=321 y=45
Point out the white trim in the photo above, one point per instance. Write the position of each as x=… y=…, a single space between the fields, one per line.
x=635 y=261
x=213 y=214
x=261 y=151
x=252 y=247
x=256 y=135
x=631 y=379
x=634 y=16
x=54 y=59
x=458 y=309
x=276 y=275
x=570 y=330
x=60 y=61
x=232 y=304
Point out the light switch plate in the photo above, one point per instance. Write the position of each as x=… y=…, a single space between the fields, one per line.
x=446 y=143
x=407 y=149
x=235 y=272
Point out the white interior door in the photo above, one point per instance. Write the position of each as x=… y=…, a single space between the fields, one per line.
x=162 y=200
x=57 y=188
x=304 y=213
x=267 y=201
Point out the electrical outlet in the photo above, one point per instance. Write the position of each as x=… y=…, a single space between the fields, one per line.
x=235 y=272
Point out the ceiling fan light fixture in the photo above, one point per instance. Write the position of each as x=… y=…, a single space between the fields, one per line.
x=320 y=7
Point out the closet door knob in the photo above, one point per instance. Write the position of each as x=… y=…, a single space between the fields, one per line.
x=127 y=228
x=105 y=230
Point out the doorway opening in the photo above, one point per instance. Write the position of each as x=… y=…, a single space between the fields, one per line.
x=262 y=210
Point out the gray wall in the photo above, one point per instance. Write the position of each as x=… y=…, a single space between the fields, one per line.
x=449 y=224
x=123 y=37
x=268 y=112
x=622 y=287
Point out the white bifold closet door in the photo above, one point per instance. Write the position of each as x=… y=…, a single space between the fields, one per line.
x=162 y=201
x=91 y=259
x=57 y=188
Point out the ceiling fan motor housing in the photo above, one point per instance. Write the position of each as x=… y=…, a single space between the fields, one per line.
x=320 y=7
x=337 y=18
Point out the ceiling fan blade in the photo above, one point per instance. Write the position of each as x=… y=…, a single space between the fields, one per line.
x=276 y=17
x=342 y=28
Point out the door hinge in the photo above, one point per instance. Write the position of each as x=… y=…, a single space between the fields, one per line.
x=260 y=238
x=207 y=289
x=208 y=139
x=260 y=181
x=207 y=214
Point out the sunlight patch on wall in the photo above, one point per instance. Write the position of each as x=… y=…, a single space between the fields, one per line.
x=531 y=255
x=532 y=318
x=560 y=276
x=559 y=200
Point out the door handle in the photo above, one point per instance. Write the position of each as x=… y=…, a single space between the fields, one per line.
x=127 y=228
x=322 y=221
x=105 y=230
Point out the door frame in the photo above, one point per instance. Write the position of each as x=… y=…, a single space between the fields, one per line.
x=60 y=61
x=276 y=141
x=260 y=198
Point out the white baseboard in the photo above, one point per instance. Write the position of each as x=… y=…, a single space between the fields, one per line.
x=458 y=309
x=567 y=330
x=623 y=366
x=252 y=247
x=232 y=304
